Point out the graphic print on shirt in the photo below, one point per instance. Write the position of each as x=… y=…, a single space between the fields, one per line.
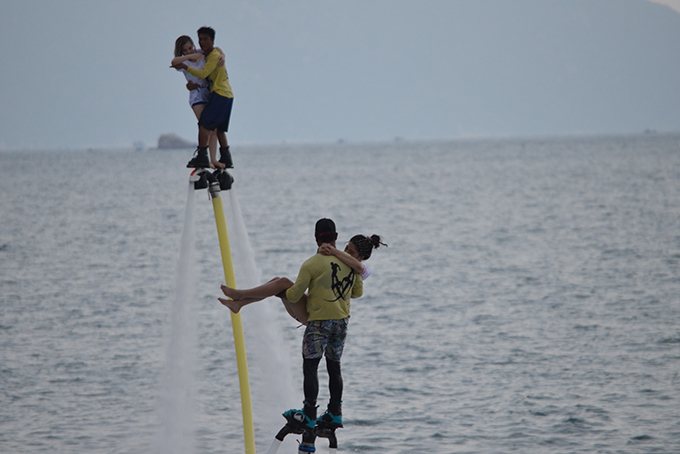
x=341 y=287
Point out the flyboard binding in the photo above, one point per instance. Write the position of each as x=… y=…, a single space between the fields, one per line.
x=202 y=177
x=295 y=424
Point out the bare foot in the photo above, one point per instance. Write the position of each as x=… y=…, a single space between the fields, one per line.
x=231 y=293
x=217 y=165
x=233 y=306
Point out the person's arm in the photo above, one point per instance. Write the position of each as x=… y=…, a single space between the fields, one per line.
x=295 y=293
x=358 y=288
x=356 y=265
x=179 y=62
x=210 y=65
x=222 y=59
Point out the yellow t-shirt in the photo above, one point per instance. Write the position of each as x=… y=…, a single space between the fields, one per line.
x=217 y=75
x=331 y=284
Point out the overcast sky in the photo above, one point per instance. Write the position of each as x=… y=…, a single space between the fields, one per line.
x=88 y=73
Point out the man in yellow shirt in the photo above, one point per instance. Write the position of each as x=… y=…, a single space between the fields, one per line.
x=217 y=112
x=331 y=284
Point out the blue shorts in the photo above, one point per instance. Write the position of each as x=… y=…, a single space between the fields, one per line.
x=216 y=113
x=325 y=337
x=201 y=95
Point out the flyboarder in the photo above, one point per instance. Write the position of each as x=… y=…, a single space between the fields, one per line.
x=331 y=284
x=199 y=89
x=217 y=112
x=357 y=250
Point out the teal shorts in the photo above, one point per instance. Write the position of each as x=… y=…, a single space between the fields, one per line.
x=325 y=337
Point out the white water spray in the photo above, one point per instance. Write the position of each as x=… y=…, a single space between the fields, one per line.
x=269 y=359
x=177 y=399
x=272 y=387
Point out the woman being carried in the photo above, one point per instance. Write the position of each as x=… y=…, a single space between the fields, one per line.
x=357 y=250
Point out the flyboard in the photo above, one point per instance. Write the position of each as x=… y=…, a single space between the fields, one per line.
x=216 y=182
x=295 y=424
x=221 y=180
x=201 y=178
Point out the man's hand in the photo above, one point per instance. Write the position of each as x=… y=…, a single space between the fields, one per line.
x=192 y=86
x=222 y=59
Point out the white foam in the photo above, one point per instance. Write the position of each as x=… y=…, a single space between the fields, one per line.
x=177 y=398
x=268 y=356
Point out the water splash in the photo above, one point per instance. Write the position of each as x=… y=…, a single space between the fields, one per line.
x=177 y=396
x=269 y=359
x=271 y=380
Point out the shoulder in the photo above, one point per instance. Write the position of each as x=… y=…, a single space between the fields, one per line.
x=311 y=262
x=321 y=262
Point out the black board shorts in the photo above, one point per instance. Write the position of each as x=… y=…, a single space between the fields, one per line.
x=216 y=113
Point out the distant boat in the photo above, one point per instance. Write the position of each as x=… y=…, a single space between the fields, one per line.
x=173 y=141
x=139 y=145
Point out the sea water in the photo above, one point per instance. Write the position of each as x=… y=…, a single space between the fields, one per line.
x=527 y=302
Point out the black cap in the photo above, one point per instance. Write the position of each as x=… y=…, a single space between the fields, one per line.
x=324 y=227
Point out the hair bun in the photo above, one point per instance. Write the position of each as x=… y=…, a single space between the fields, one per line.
x=376 y=241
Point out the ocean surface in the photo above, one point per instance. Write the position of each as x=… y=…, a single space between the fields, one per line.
x=528 y=302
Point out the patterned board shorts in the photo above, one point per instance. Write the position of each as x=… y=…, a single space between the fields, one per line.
x=325 y=336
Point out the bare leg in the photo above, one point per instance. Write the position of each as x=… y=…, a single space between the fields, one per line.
x=198 y=110
x=212 y=146
x=240 y=298
x=203 y=136
x=297 y=310
x=222 y=137
x=212 y=140
x=236 y=306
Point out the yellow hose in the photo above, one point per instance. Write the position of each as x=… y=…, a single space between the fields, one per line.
x=239 y=340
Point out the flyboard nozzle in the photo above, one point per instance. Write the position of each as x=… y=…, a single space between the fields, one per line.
x=199 y=178
x=214 y=189
x=224 y=178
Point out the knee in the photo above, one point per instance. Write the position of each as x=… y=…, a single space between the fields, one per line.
x=283 y=283
x=333 y=367
x=286 y=281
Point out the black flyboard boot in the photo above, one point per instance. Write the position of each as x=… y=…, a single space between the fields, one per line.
x=225 y=157
x=200 y=159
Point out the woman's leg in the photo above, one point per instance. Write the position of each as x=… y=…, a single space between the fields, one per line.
x=212 y=146
x=297 y=310
x=212 y=140
x=240 y=298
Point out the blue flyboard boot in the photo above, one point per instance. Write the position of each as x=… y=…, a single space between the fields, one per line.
x=327 y=423
x=299 y=419
x=332 y=417
x=300 y=422
x=329 y=420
